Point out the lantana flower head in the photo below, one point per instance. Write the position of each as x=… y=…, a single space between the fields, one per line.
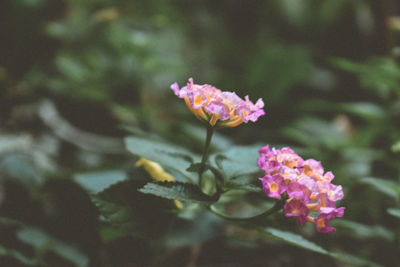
x=304 y=184
x=216 y=107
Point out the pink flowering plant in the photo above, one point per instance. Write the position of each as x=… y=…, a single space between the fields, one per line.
x=216 y=107
x=303 y=184
x=279 y=183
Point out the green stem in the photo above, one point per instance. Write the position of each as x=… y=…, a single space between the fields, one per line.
x=256 y=219
x=210 y=131
x=260 y=218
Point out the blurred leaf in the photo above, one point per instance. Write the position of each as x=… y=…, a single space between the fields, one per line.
x=389 y=188
x=41 y=241
x=295 y=239
x=198 y=133
x=363 y=231
x=237 y=161
x=96 y=182
x=109 y=234
x=329 y=11
x=279 y=68
x=357 y=161
x=133 y=213
x=354 y=260
x=309 y=15
x=241 y=204
x=20 y=168
x=295 y=11
x=377 y=73
x=9 y=221
x=396 y=147
x=120 y=217
x=243 y=183
x=368 y=111
x=312 y=132
x=5 y=252
x=173 y=157
x=176 y=190
x=204 y=227
x=299 y=241
x=71 y=68
x=394 y=212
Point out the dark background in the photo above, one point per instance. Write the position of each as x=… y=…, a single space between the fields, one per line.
x=78 y=76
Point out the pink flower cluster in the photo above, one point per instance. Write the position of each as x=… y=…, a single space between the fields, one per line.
x=216 y=107
x=305 y=184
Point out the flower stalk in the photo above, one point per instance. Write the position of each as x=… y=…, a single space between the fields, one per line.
x=206 y=151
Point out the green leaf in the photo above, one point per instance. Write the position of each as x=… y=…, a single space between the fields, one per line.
x=244 y=186
x=203 y=228
x=194 y=167
x=41 y=241
x=173 y=157
x=237 y=161
x=241 y=205
x=394 y=212
x=363 y=231
x=96 y=182
x=295 y=239
x=384 y=186
x=133 y=213
x=299 y=241
x=352 y=260
x=5 y=252
x=176 y=190
x=121 y=217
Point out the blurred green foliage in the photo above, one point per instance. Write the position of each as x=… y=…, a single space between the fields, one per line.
x=327 y=71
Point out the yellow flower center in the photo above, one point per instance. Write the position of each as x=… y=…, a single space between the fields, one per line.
x=198 y=100
x=308 y=170
x=295 y=211
x=320 y=223
x=273 y=187
x=322 y=203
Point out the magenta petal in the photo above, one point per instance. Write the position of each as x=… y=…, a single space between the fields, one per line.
x=175 y=88
x=218 y=108
x=273 y=186
x=340 y=212
x=299 y=191
x=322 y=224
x=335 y=193
x=264 y=150
x=259 y=103
x=255 y=115
x=324 y=201
x=296 y=208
